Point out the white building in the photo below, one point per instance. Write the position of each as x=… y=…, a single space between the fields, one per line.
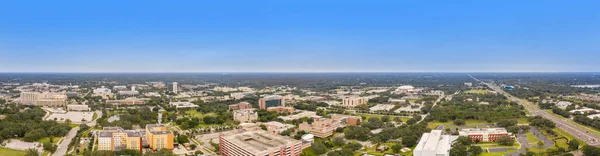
x=102 y=90
x=120 y=87
x=179 y=105
x=434 y=144
x=78 y=108
x=128 y=93
x=245 y=115
x=175 y=88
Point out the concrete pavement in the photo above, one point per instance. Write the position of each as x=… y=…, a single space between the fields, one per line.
x=574 y=130
x=64 y=145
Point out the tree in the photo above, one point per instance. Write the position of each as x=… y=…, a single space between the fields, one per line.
x=32 y=152
x=411 y=121
x=540 y=144
x=398 y=119
x=160 y=152
x=459 y=122
x=475 y=150
x=573 y=145
x=506 y=123
x=458 y=150
x=338 y=141
x=385 y=118
x=506 y=141
x=319 y=148
x=396 y=148
x=464 y=140
x=193 y=146
x=68 y=121
x=590 y=150
x=49 y=147
x=182 y=139
x=263 y=127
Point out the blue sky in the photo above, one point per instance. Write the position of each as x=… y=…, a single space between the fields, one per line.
x=299 y=36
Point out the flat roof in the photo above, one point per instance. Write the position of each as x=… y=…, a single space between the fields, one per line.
x=259 y=141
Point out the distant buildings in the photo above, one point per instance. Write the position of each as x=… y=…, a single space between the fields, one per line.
x=321 y=127
x=434 y=144
x=239 y=95
x=180 y=105
x=117 y=88
x=128 y=93
x=245 y=115
x=175 y=88
x=585 y=111
x=78 y=108
x=382 y=107
x=241 y=105
x=298 y=116
x=102 y=90
x=258 y=143
x=271 y=101
x=116 y=139
x=347 y=119
x=128 y=101
x=354 y=101
x=435 y=92
x=281 y=109
x=277 y=127
x=50 y=99
x=484 y=134
x=158 y=137
x=468 y=84
x=405 y=90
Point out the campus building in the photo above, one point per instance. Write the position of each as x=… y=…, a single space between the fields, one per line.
x=281 y=109
x=128 y=101
x=347 y=119
x=321 y=127
x=354 y=101
x=50 y=99
x=78 y=108
x=271 y=101
x=245 y=115
x=434 y=144
x=158 y=137
x=484 y=134
x=258 y=143
x=241 y=105
x=116 y=139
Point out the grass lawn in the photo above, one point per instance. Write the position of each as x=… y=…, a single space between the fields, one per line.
x=368 y=116
x=73 y=125
x=308 y=152
x=477 y=91
x=197 y=114
x=47 y=139
x=6 y=151
x=373 y=150
x=485 y=146
x=531 y=139
x=523 y=121
x=450 y=123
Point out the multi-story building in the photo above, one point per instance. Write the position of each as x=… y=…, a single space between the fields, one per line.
x=128 y=92
x=158 y=137
x=245 y=115
x=277 y=127
x=271 y=101
x=241 y=105
x=120 y=88
x=51 y=99
x=258 y=143
x=434 y=144
x=179 y=105
x=128 y=101
x=116 y=139
x=239 y=95
x=321 y=127
x=484 y=134
x=101 y=90
x=298 y=116
x=78 y=108
x=281 y=109
x=175 y=88
x=347 y=119
x=354 y=101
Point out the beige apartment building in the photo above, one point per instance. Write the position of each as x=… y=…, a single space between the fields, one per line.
x=354 y=101
x=159 y=137
x=321 y=127
x=116 y=139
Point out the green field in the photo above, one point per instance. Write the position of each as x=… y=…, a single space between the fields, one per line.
x=47 y=140
x=485 y=146
x=73 y=125
x=373 y=151
x=11 y=152
x=531 y=139
x=368 y=116
x=194 y=113
x=433 y=125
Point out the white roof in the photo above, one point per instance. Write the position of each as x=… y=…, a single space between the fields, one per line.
x=435 y=141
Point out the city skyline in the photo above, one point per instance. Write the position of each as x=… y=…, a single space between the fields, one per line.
x=302 y=36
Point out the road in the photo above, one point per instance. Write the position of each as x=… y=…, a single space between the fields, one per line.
x=574 y=130
x=64 y=145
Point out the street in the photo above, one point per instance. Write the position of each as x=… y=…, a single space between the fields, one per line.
x=574 y=130
x=64 y=145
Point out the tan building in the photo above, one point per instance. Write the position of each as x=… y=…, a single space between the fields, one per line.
x=241 y=105
x=321 y=127
x=245 y=115
x=258 y=143
x=277 y=127
x=78 y=108
x=105 y=96
x=116 y=139
x=159 y=137
x=354 y=101
x=347 y=119
x=128 y=101
x=281 y=109
x=271 y=101
x=50 y=99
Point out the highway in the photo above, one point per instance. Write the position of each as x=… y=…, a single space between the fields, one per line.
x=588 y=137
